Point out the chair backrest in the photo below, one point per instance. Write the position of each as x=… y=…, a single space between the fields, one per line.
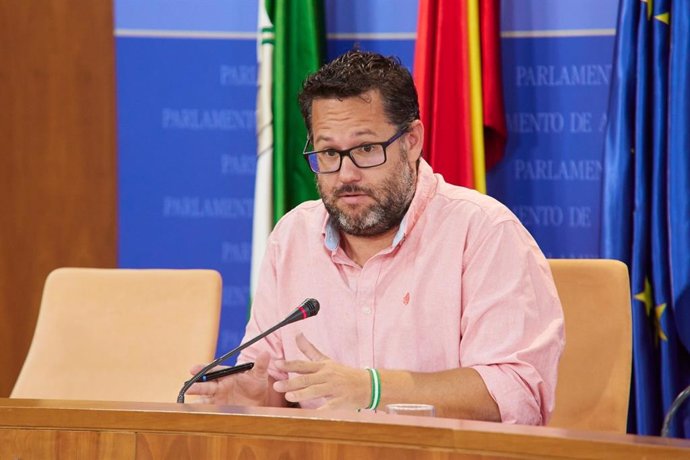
x=594 y=372
x=120 y=335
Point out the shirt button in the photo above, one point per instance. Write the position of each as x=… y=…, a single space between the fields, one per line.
x=366 y=310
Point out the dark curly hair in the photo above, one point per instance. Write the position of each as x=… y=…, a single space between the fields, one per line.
x=356 y=72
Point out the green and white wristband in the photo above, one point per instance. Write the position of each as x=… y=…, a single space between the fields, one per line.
x=375 y=389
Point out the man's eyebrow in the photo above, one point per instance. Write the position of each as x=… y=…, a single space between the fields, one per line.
x=321 y=138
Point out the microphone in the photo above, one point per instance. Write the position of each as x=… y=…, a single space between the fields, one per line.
x=680 y=399
x=309 y=307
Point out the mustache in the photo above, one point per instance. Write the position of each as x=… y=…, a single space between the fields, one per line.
x=350 y=189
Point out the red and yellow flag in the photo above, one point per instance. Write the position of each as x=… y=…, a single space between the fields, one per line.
x=458 y=74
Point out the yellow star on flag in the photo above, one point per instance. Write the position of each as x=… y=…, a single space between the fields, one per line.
x=650 y=7
x=663 y=17
x=646 y=296
x=659 y=312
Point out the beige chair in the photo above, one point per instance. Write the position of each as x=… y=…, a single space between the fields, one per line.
x=120 y=335
x=594 y=372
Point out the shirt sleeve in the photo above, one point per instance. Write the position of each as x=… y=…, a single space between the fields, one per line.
x=512 y=322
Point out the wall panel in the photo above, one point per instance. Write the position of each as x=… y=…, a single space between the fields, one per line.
x=57 y=155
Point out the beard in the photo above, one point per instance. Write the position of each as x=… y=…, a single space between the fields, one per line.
x=391 y=201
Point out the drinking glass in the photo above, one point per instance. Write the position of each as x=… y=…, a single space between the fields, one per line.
x=411 y=409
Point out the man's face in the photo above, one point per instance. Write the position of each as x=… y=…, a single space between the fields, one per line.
x=362 y=202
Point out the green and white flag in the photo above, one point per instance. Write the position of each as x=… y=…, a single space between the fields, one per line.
x=291 y=46
x=263 y=188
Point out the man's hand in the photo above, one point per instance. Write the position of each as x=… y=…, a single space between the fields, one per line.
x=249 y=388
x=342 y=387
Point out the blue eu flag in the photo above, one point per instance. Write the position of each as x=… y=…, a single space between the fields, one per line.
x=646 y=209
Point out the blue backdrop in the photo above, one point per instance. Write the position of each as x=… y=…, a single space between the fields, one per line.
x=186 y=75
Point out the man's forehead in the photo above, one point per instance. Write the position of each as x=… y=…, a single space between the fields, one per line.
x=358 y=115
x=365 y=101
x=325 y=136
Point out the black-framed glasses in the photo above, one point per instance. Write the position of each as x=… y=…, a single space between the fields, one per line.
x=363 y=156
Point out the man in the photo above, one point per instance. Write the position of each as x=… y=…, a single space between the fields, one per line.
x=436 y=287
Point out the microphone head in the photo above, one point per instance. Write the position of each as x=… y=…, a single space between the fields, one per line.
x=311 y=307
x=308 y=308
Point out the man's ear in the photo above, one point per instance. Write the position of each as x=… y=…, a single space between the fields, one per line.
x=415 y=141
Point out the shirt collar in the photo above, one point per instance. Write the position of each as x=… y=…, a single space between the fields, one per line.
x=332 y=236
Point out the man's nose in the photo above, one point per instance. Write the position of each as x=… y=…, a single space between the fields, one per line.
x=349 y=172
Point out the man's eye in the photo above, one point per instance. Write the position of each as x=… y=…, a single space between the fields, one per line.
x=367 y=148
x=330 y=153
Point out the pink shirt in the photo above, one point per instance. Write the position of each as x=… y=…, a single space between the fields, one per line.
x=462 y=285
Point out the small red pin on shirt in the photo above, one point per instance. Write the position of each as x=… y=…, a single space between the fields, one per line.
x=406 y=298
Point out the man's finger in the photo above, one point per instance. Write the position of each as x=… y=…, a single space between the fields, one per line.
x=309 y=350
x=203 y=388
x=309 y=393
x=299 y=367
x=297 y=383
x=196 y=368
x=261 y=362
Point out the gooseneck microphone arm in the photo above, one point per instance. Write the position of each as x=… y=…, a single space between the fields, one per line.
x=308 y=308
x=682 y=396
